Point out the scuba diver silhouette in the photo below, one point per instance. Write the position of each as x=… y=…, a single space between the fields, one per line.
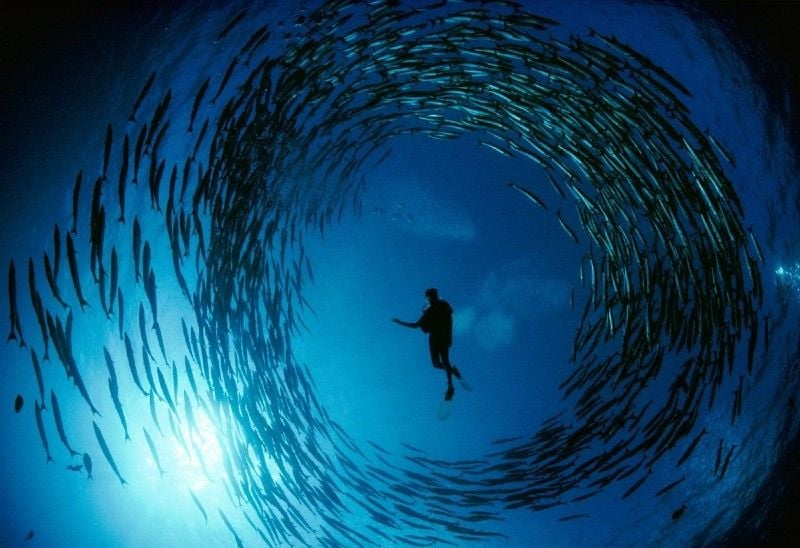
x=437 y=322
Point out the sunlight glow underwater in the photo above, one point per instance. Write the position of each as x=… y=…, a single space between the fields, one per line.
x=258 y=135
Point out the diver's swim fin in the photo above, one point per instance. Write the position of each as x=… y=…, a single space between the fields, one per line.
x=457 y=374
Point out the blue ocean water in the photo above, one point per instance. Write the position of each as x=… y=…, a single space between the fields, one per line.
x=360 y=445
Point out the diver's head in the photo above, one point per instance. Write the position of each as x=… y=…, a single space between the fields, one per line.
x=431 y=294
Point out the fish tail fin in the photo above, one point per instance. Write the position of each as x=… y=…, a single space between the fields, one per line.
x=72 y=453
x=121 y=219
x=49 y=458
x=12 y=336
x=127 y=437
x=83 y=303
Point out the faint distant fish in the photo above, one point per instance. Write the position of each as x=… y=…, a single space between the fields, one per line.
x=60 y=424
x=122 y=182
x=56 y=250
x=114 y=282
x=679 y=512
x=737 y=400
x=112 y=373
x=496 y=148
x=726 y=462
x=120 y=311
x=138 y=151
x=75 y=467
x=163 y=383
x=152 y=295
x=501 y=441
x=528 y=194
x=691 y=447
x=137 y=245
x=155 y=134
x=18 y=403
x=76 y=193
x=73 y=268
x=104 y=446
x=232 y=23
x=37 y=370
x=153 y=451
x=148 y=372
x=174 y=378
x=669 y=486
x=190 y=375
x=146 y=259
x=187 y=407
x=40 y=427
x=637 y=484
x=142 y=94
x=230 y=528
x=573 y=516
x=197 y=144
x=87 y=463
x=132 y=364
x=160 y=339
x=155 y=177
x=225 y=78
x=143 y=331
x=13 y=315
x=107 y=150
x=153 y=413
x=197 y=100
x=114 y=389
x=567 y=229
x=51 y=281
x=199 y=506
x=29 y=536
x=77 y=379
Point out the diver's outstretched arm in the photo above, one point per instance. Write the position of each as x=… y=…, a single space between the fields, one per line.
x=406 y=324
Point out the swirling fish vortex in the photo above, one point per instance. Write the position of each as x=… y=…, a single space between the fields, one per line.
x=670 y=275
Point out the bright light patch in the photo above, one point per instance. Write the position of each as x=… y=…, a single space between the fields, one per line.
x=789 y=278
x=204 y=458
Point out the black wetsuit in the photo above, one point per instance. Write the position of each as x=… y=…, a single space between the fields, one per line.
x=437 y=322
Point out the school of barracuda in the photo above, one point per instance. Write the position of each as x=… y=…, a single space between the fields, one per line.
x=281 y=145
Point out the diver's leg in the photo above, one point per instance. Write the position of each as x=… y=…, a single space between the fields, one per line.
x=449 y=366
x=445 y=354
x=435 y=357
x=446 y=360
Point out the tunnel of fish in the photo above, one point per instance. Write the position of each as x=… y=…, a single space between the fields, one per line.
x=182 y=269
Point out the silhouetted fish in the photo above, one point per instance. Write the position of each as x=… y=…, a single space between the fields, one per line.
x=87 y=464
x=60 y=424
x=104 y=447
x=40 y=427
